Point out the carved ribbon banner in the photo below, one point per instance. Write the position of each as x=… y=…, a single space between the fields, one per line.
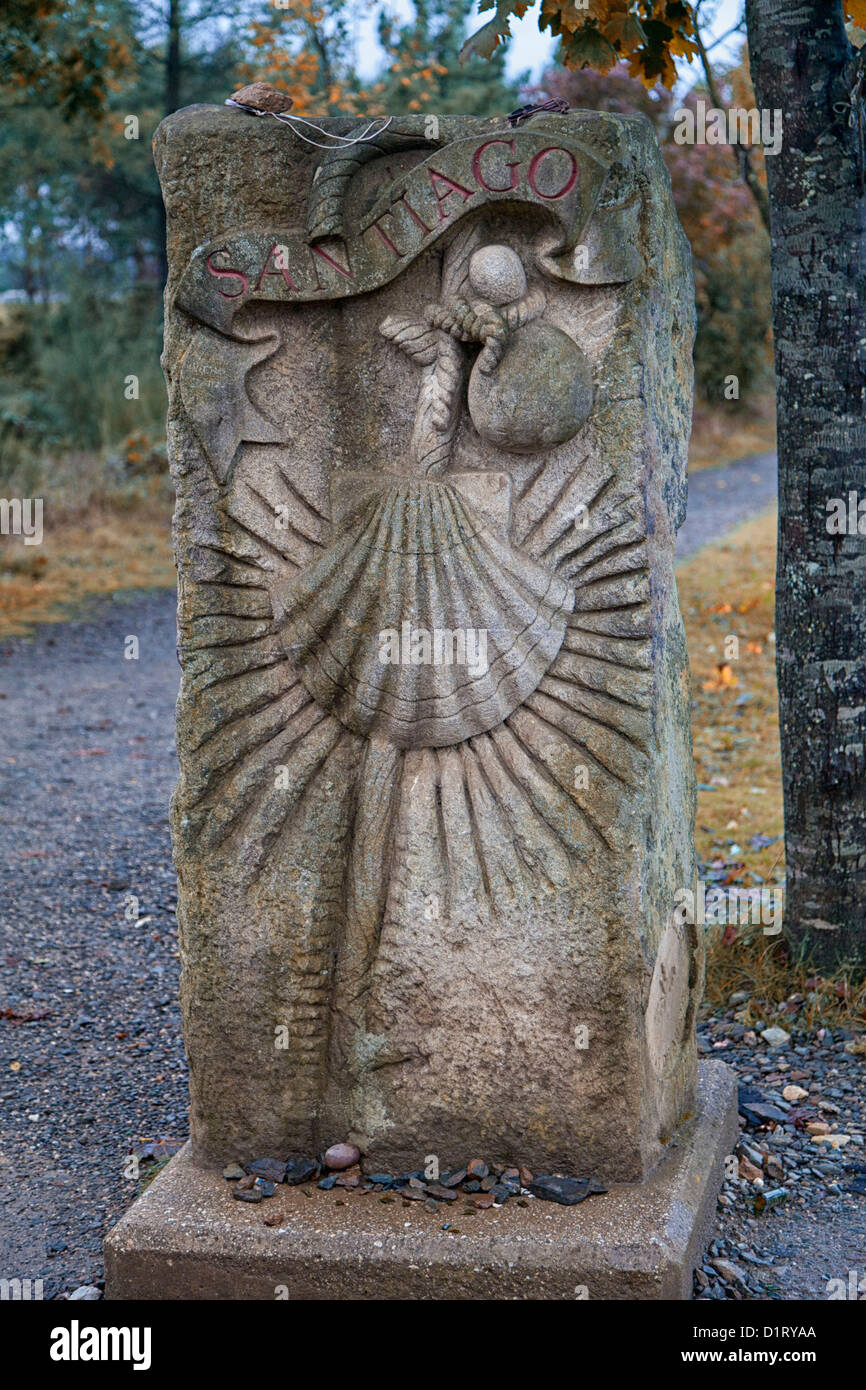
x=539 y=167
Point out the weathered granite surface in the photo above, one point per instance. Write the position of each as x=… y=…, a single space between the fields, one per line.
x=439 y=386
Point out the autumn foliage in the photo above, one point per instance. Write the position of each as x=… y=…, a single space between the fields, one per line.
x=730 y=250
x=647 y=35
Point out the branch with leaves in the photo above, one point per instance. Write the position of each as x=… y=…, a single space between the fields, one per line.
x=648 y=34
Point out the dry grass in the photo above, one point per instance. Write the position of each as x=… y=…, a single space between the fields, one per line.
x=112 y=549
x=728 y=590
x=721 y=435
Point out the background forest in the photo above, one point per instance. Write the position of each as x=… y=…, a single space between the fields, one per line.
x=81 y=267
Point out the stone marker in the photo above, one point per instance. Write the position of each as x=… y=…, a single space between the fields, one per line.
x=430 y=396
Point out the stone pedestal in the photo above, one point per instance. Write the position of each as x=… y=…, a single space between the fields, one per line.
x=430 y=394
x=187 y=1239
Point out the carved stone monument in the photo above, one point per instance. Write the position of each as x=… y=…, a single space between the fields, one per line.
x=430 y=393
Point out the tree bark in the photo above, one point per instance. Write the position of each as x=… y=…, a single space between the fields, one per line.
x=801 y=62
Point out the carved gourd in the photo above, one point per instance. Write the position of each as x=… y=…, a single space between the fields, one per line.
x=538 y=393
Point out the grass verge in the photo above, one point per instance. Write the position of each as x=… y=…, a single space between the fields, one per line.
x=79 y=558
x=727 y=597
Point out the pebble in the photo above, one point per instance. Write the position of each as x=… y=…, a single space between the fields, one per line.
x=85 y=1293
x=566 y=1191
x=731 y=1273
x=803 y=1198
x=340 y=1156
x=749 y=1171
x=262 y=96
x=300 y=1170
x=247 y=1194
x=274 y=1169
x=794 y=1093
x=495 y=1184
x=775 y=1037
x=453 y=1178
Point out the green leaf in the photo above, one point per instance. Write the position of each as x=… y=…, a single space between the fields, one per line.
x=482 y=44
x=590 y=49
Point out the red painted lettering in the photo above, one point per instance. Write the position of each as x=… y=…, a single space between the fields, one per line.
x=374 y=227
x=412 y=213
x=281 y=268
x=536 y=165
x=512 y=164
x=234 y=274
x=345 y=271
x=451 y=187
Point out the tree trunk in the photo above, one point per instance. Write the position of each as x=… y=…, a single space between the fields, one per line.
x=172 y=103
x=172 y=58
x=802 y=62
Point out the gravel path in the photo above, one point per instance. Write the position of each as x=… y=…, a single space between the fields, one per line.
x=813 y=1230
x=720 y=498
x=87 y=763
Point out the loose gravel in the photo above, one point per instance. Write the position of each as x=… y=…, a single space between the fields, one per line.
x=87 y=931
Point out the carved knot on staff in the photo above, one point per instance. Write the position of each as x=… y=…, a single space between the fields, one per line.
x=479 y=322
x=499 y=305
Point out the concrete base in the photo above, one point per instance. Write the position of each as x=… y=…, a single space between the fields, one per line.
x=186 y=1238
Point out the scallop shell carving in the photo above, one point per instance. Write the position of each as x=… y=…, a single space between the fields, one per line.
x=416 y=558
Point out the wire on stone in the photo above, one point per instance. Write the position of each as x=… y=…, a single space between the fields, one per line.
x=262 y=99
